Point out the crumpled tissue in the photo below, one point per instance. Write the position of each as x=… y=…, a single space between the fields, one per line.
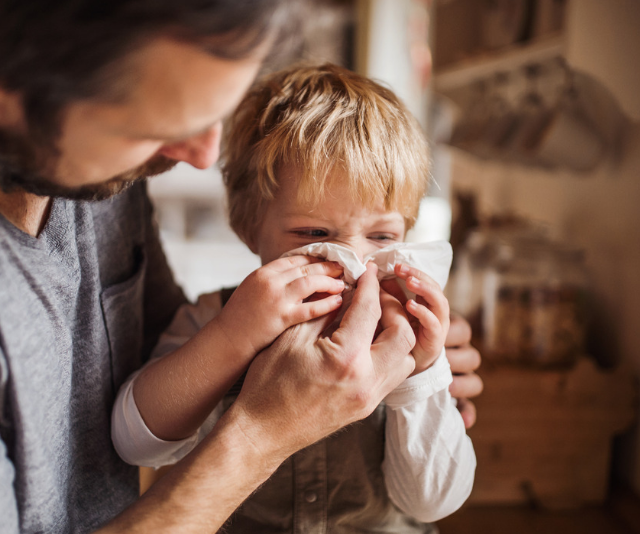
x=433 y=258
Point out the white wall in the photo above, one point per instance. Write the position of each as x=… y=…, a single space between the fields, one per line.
x=386 y=49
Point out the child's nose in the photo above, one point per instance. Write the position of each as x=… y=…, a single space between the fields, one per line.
x=200 y=151
x=360 y=248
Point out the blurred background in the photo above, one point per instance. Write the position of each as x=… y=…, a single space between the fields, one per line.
x=532 y=108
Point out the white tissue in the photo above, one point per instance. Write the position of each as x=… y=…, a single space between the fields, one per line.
x=433 y=258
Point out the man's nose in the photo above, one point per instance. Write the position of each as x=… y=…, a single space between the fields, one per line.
x=200 y=151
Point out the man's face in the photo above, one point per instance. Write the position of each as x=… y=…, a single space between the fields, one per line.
x=177 y=98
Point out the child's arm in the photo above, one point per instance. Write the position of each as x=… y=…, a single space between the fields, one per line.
x=176 y=393
x=429 y=460
x=133 y=441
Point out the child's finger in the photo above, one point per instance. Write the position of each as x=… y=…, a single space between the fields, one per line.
x=432 y=296
x=299 y=267
x=428 y=320
x=327 y=268
x=406 y=272
x=427 y=288
x=301 y=288
x=316 y=308
x=291 y=262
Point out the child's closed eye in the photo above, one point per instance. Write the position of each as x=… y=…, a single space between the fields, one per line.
x=385 y=238
x=310 y=232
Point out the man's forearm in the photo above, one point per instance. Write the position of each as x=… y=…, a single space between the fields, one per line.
x=203 y=490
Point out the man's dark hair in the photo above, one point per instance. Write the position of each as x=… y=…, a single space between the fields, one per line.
x=55 y=52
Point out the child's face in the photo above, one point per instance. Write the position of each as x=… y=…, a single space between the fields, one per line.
x=337 y=218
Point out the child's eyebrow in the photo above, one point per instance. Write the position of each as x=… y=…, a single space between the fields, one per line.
x=387 y=217
x=301 y=212
x=391 y=215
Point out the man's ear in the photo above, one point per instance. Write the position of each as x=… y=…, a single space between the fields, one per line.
x=11 y=109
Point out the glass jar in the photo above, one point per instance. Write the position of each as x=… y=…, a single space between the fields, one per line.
x=535 y=305
x=483 y=249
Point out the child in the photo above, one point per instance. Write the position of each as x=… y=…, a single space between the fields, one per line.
x=315 y=154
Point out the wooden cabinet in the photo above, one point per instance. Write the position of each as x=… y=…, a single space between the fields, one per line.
x=546 y=436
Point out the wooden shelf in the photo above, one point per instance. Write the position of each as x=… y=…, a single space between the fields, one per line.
x=465 y=72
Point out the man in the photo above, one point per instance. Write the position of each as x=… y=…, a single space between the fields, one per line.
x=95 y=96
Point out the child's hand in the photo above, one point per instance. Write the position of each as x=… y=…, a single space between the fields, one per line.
x=274 y=297
x=431 y=313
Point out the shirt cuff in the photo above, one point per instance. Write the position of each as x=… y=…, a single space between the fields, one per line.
x=133 y=440
x=423 y=385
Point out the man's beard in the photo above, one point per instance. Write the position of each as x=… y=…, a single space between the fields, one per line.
x=24 y=167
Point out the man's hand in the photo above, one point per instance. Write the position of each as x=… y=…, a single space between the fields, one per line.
x=464 y=360
x=274 y=297
x=304 y=387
